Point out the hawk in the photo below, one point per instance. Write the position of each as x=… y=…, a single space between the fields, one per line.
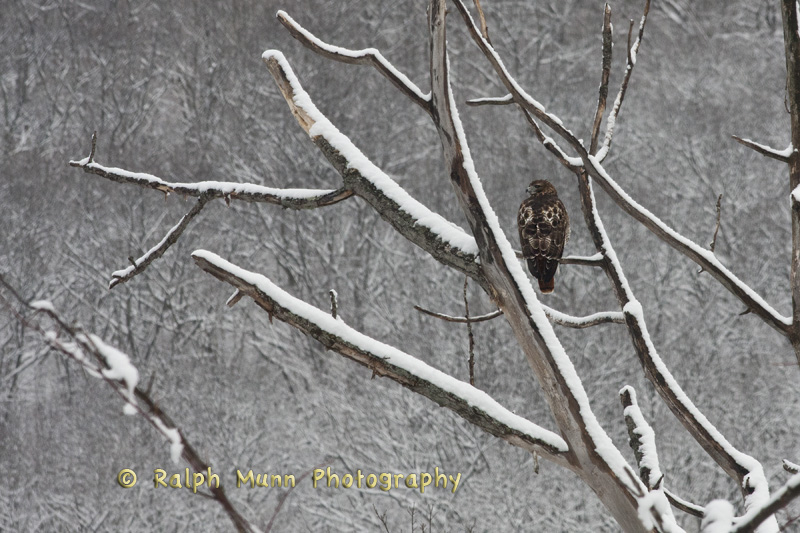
x=543 y=231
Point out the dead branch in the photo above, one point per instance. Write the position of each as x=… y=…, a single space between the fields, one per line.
x=632 y=51
x=608 y=40
x=641 y=438
x=766 y=151
x=371 y=184
x=459 y=319
x=289 y=198
x=470 y=336
x=172 y=236
x=782 y=497
x=480 y=409
x=482 y=18
x=369 y=56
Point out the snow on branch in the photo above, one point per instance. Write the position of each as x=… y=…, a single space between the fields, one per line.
x=751 y=521
x=357 y=57
x=468 y=402
x=642 y=439
x=106 y=362
x=557 y=317
x=248 y=192
x=139 y=265
x=766 y=151
x=445 y=241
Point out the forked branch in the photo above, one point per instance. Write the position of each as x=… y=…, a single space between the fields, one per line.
x=471 y=404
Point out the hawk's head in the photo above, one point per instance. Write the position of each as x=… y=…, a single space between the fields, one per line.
x=540 y=187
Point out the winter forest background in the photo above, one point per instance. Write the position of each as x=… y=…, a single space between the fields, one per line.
x=179 y=90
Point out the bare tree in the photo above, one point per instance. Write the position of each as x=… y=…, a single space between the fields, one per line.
x=580 y=444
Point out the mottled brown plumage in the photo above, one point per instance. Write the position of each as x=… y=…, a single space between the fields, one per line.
x=543 y=231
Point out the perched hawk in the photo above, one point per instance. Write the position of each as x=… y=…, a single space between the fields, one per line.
x=543 y=231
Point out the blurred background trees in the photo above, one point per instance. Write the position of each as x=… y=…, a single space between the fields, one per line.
x=179 y=90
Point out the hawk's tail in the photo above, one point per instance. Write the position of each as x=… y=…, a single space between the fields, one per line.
x=547 y=286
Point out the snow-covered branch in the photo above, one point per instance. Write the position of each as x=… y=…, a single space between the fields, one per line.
x=602 y=97
x=557 y=317
x=248 y=192
x=780 y=499
x=468 y=402
x=445 y=241
x=369 y=56
x=140 y=265
x=642 y=439
x=114 y=367
x=766 y=151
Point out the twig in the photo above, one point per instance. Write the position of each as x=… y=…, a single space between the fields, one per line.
x=482 y=18
x=94 y=146
x=791 y=467
x=713 y=243
x=491 y=100
x=469 y=334
x=458 y=319
x=248 y=192
x=172 y=236
x=334 y=303
x=766 y=151
x=780 y=499
x=685 y=506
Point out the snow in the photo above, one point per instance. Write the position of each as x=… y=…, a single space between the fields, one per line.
x=474 y=397
x=708 y=255
x=718 y=517
x=447 y=231
x=119 y=368
x=653 y=504
x=356 y=54
x=174 y=438
x=796 y=194
x=43 y=305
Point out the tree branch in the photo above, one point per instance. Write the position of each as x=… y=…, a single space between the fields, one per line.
x=641 y=437
x=473 y=405
x=172 y=236
x=766 y=151
x=557 y=317
x=782 y=497
x=606 y=72
x=443 y=240
x=248 y=192
x=368 y=56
